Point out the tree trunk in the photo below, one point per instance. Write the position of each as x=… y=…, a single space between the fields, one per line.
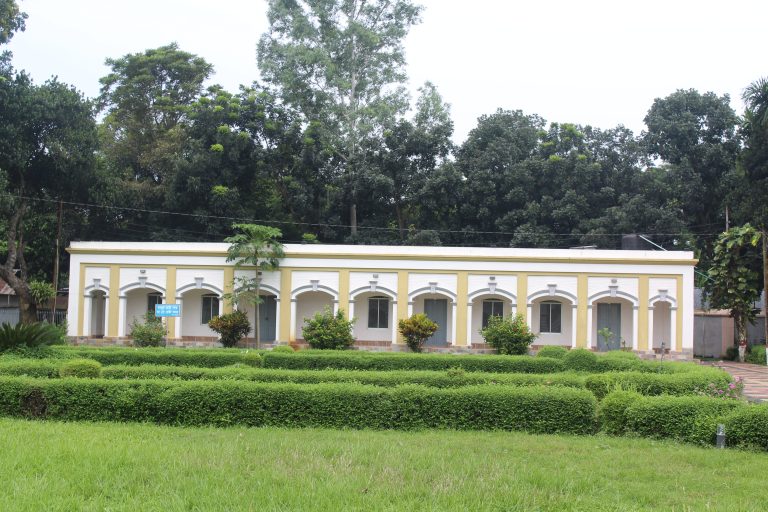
x=765 y=289
x=400 y=221
x=353 y=218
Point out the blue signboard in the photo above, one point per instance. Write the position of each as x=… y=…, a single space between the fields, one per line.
x=167 y=310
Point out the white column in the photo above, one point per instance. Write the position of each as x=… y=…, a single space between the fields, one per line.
x=292 y=332
x=87 y=307
x=469 y=324
x=589 y=326
x=529 y=318
x=335 y=306
x=351 y=309
x=178 y=322
x=453 y=323
x=410 y=309
x=221 y=306
x=277 y=320
x=121 y=317
x=512 y=308
x=106 y=315
x=673 y=342
x=650 y=328
x=574 y=320
x=635 y=328
x=394 y=321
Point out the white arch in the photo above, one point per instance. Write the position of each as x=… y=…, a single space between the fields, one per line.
x=88 y=290
x=428 y=290
x=315 y=288
x=367 y=289
x=487 y=291
x=543 y=294
x=204 y=286
x=616 y=295
x=665 y=298
x=266 y=288
x=152 y=287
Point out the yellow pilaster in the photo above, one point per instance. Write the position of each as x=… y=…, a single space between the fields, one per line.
x=462 y=290
x=582 y=297
x=344 y=291
x=81 y=301
x=402 y=299
x=679 y=336
x=170 y=298
x=229 y=283
x=642 y=314
x=114 y=300
x=522 y=295
x=285 y=305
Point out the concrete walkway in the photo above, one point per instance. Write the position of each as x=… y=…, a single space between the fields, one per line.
x=755 y=378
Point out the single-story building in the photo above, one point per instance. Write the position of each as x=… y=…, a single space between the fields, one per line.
x=645 y=298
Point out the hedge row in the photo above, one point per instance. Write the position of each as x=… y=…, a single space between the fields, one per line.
x=692 y=419
x=532 y=409
x=446 y=379
x=650 y=384
x=30 y=367
x=205 y=358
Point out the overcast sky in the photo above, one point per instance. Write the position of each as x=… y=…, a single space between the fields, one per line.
x=589 y=62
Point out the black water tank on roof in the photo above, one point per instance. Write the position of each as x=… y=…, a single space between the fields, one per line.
x=633 y=243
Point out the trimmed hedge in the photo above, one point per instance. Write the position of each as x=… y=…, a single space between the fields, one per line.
x=612 y=412
x=449 y=379
x=306 y=360
x=82 y=368
x=747 y=427
x=534 y=409
x=656 y=384
x=30 y=368
x=685 y=418
x=205 y=358
x=553 y=351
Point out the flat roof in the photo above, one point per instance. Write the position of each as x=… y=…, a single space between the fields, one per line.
x=386 y=251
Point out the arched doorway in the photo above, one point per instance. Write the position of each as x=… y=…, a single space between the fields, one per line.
x=482 y=307
x=306 y=305
x=268 y=315
x=613 y=325
x=375 y=314
x=440 y=308
x=98 y=317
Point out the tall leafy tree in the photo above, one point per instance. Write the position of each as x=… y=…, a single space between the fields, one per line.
x=342 y=64
x=259 y=247
x=12 y=20
x=47 y=143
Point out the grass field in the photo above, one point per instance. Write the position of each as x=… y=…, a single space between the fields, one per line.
x=119 y=467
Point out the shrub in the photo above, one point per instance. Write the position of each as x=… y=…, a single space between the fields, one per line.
x=747 y=427
x=206 y=358
x=150 y=333
x=416 y=330
x=685 y=418
x=454 y=377
x=650 y=384
x=580 y=360
x=612 y=412
x=618 y=361
x=553 y=351
x=252 y=358
x=756 y=355
x=508 y=335
x=231 y=327
x=328 y=331
x=733 y=390
x=313 y=360
x=533 y=409
x=731 y=354
x=283 y=349
x=30 y=368
x=83 y=368
x=28 y=335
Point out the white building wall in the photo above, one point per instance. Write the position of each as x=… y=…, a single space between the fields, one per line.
x=211 y=276
x=192 y=313
x=361 y=331
x=539 y=283
x=307 y=304
x=566 y=323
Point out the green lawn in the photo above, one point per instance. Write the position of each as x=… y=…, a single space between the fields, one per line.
x=82 y=466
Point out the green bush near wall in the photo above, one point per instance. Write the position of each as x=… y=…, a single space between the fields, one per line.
x=30 y=368
x=656 y=384
x=534 y=409
x=445 y=379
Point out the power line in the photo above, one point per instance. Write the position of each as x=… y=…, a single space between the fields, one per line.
x=328 y=225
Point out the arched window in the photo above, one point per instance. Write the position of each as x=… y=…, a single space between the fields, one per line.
x=492 y=307
x=550 y=317
x=210 y=308
x=378 y=313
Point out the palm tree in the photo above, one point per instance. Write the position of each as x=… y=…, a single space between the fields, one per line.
x=254 y=246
